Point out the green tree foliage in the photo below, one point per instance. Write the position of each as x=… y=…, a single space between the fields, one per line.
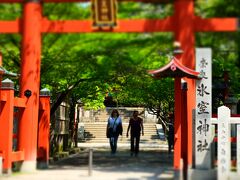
x=136 y=10
x=100 y=62
x=87 y=66
x=225 y=48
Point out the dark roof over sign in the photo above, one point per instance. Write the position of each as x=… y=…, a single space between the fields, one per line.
x=174 y=69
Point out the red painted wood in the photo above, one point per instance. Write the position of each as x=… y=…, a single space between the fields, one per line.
x=44 y=129
x=232 y=115
x=10 y=26
x=134 y=25
x=85 y=26
x=15 y=136
x=215 y=24
x=177 y=124
x=231 y=139
x=30 y=78
x=6 y=128
x=142 y=25
x=17 y=156
x=20 y=102
x=184 y=33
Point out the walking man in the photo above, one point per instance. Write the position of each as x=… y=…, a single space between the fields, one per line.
x=136 y=127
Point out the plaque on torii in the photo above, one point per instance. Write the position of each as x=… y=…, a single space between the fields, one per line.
x=104 y=13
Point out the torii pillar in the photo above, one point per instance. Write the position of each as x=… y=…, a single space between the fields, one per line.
x=184 y=33
x=30 y=81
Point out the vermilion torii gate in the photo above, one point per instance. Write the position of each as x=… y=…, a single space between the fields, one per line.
x=183 y=23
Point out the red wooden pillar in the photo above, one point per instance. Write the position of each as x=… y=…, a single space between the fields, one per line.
x=6 y=121
x=44 y=129
x=177 y=113
x=184 y=33
x=1 y=59
x=177 y=123
x=30 y=81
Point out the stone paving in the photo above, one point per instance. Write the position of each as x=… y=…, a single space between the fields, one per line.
x=152 y=163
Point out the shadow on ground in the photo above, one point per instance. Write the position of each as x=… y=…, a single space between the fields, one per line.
x=150 y=164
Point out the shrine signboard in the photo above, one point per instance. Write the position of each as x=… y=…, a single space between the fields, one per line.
x=203 y=109
x=224 y=145
x=104 y=13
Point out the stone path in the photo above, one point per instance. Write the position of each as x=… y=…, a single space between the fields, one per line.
x=152 y=163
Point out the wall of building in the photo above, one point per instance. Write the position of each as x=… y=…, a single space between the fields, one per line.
x=102 y=115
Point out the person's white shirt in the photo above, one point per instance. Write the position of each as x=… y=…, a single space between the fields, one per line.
x=114 y=122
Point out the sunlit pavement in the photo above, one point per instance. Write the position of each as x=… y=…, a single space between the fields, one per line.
x=151 y=163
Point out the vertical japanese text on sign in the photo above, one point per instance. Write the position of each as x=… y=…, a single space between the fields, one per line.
x=203 y=108
x=104 y=13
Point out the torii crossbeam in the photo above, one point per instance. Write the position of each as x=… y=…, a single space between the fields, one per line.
x=183 y=23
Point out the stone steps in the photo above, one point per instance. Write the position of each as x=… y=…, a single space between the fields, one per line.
x=103 y=115
x=96 y=133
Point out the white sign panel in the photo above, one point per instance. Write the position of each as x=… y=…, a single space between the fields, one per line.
x=203 y=109
x=224 y=156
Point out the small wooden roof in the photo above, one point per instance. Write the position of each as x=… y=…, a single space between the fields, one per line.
x=174 y=69
x=4 y=72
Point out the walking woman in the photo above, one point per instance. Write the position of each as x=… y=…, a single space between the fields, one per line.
x=114 y=129
x=136 y=126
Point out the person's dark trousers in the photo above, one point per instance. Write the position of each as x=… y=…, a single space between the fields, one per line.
x=113 y=143
x=135 y=146
x=170 y=145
